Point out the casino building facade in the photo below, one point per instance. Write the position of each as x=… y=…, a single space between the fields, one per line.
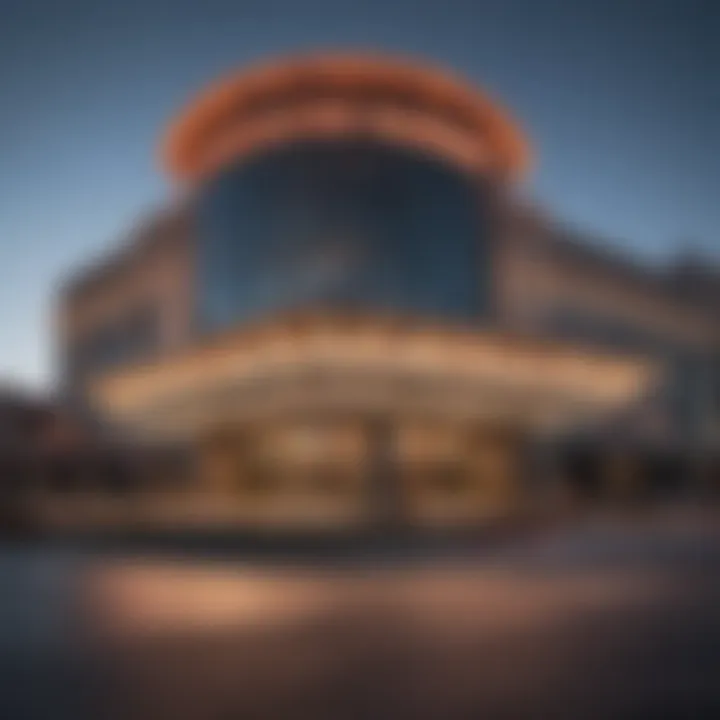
x=346 y=317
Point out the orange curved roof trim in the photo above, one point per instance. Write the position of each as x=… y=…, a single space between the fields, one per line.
x=222 y=104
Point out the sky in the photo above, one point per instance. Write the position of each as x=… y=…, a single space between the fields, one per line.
x=620 y=98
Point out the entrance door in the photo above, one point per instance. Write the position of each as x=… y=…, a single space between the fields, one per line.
x=454 y=474
x=382 y=472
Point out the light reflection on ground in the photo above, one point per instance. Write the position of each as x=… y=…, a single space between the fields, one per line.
x=151 y=599
x=601 y=620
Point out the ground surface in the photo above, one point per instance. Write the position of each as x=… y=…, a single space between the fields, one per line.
x=601 y=619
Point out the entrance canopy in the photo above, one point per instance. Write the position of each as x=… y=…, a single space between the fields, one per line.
x=372 y=367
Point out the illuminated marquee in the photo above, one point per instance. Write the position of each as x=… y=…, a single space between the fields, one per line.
x=343 y=96
x=368 y=368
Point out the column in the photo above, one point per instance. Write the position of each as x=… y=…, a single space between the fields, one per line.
x=383 y=487
x=621 y=477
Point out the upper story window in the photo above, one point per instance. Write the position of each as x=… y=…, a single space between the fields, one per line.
x=603 y=331
x=344 y=225
x=127 y=338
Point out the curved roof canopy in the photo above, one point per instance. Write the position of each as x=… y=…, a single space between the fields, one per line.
x=331 y=95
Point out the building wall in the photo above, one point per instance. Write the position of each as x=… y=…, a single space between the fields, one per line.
x=134 y=306
x=154 y=297
x=541 y=272
x=550 y=285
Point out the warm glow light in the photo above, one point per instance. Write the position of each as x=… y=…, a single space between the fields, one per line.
x=482 y=363
x=346 y=95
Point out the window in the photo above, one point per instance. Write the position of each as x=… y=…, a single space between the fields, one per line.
x=612 y=332
x=130 y=337
x=341 y=225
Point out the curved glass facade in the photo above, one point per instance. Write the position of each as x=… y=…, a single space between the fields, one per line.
x=354 y=225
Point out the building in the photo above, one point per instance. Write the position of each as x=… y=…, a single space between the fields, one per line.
x=40 y=447
x=347 y=317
